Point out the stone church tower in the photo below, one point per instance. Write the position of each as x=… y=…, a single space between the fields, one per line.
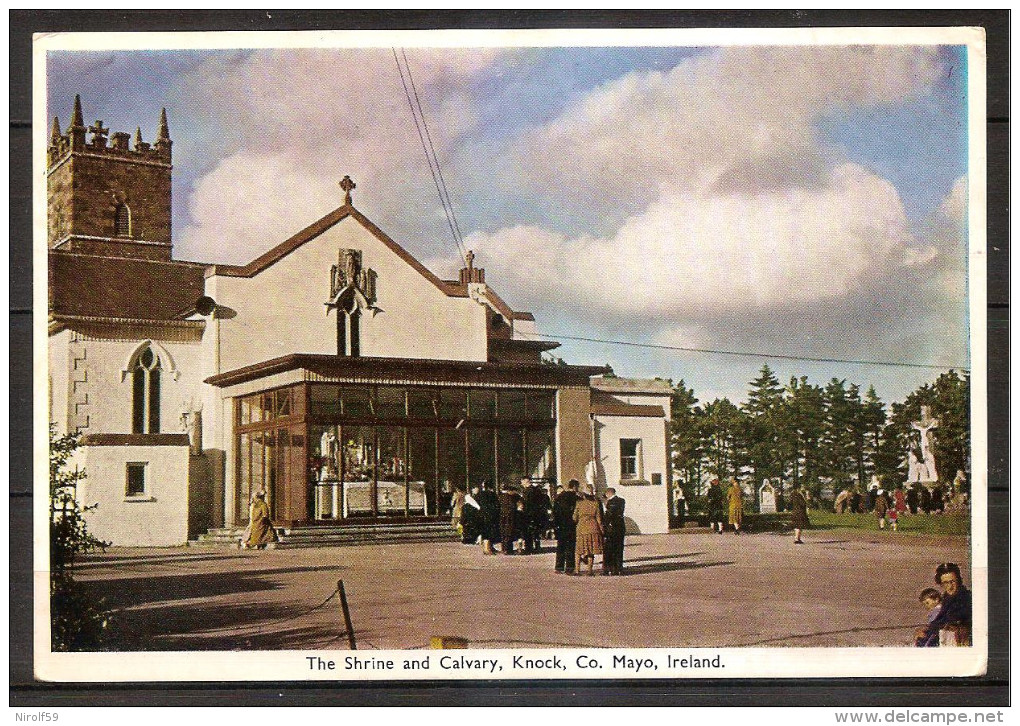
x=109 y=197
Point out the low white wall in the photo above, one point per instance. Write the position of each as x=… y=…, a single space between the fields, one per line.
x=158 y=518
x=647 y=509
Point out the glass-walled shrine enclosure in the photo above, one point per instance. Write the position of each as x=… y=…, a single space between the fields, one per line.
x=388 y=451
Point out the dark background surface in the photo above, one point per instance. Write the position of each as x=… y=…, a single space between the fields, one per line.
x=990 y=690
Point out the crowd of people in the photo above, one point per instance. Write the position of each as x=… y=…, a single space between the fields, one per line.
x=518 y=519
x=917 y=499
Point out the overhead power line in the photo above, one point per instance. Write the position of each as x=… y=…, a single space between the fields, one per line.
x=752 y=354
x=429 y=148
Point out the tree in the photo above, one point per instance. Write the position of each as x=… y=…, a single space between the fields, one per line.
x=765 y=436
x=721 y=425
x=806 y=416
x=685 y=436
x=78 y=620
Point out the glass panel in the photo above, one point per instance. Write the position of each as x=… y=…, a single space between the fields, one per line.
x=138 y=393
x=283 y=402
x=481 y=455
x=542 y=454
x=153 y=401
x=541 y=405
x=390 y=402
x=258 y=480
x=453 y=404
x=483 y=404
x=511 y=405
x=423 y=403
x=357 y=401
x=325 y=401
x=391 y=494
x=243 y=477
x=511 y=455
x=266 y=408
x=358 y=469
x=452 y=462
x=247 y=406
x=422 y=472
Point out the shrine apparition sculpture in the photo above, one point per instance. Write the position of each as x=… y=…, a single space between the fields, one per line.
x=922 y=468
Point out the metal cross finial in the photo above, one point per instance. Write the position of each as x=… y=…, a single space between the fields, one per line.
x=99 y=133
x=347 y=185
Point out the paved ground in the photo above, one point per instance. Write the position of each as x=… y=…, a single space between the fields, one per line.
x=842 y=588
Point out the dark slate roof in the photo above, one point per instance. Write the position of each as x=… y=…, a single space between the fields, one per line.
x=602 y=404
x=117 y=287
x=325 y=367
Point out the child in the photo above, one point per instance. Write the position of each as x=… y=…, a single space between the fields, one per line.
x=893 y=516
x=927 y=637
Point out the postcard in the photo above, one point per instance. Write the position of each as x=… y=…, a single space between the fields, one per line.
x=531 y=354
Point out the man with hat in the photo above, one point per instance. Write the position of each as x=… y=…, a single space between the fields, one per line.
x=615 y=529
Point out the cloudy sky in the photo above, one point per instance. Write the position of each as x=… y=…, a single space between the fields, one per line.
x=785 y=201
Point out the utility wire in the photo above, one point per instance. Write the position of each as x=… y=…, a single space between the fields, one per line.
x=750 y=354
x=433 y=163
x=435 y=156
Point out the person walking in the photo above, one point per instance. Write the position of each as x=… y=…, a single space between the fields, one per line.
x=615 y=534
x=588 y=532
x=735 y=497
x=260 y=528
x=566 y=529
x=508 y=516
x=457 y=507
x=488 y=517
x=798 y=513
x=881 y=507
x=680 y=503
x=536 y=507
x=471 y=517
x=715 y=498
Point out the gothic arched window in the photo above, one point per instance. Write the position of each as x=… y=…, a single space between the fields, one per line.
x=145 y=381
x=122 y=221
x=348 y=327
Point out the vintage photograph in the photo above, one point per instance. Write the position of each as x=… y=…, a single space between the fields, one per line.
x=493 y=355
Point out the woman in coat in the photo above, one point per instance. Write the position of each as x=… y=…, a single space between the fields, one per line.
x=588 y=517
x=735 y=497
x=798 y=513
x=260 y=529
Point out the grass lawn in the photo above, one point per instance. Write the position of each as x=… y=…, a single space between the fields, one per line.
x=931 y=524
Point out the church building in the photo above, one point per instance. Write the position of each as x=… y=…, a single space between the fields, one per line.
x=334 y=372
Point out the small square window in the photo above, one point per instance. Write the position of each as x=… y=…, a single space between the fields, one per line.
x=136 y=479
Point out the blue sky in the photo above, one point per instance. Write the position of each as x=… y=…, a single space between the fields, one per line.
x=803 y=202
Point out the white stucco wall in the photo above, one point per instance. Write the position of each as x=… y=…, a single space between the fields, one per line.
x=281 y=309
x=159 y=518
x=646 y=509
x=58 y=377
x=110 y=392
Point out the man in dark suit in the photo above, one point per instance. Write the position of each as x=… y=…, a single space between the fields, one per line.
x=489 y=515
x=508 y=499
x=566 y=530
x=536 y=515
x=613 y=524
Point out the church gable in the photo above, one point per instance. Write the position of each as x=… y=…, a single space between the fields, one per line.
x=343 y=287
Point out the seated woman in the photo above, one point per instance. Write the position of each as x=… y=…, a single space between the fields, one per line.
x=953 y=623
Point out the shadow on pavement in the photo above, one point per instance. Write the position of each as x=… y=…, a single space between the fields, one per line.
x=664 y=557
x=669 y=567
x=784 y=638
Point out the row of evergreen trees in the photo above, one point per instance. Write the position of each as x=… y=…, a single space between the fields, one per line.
x=818 y=436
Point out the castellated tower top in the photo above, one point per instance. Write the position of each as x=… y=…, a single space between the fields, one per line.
x=108 y=194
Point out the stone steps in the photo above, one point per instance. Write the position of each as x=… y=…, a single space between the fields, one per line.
x=338 y=535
